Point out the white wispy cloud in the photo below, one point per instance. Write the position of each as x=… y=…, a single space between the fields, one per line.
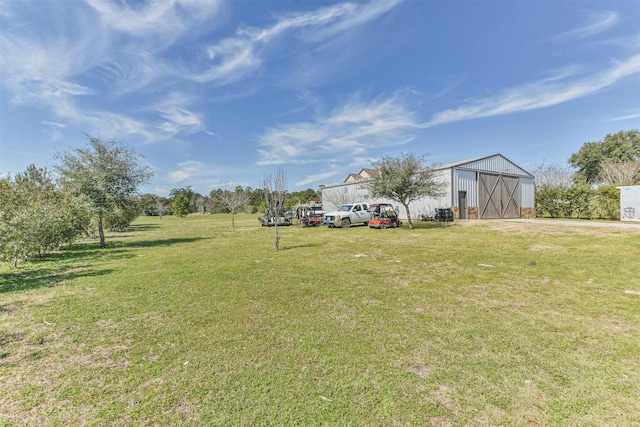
x=178 y=120
x=189 y=170
x=356 y=15
x=319 y=177
x=349 y=130
x=177 y=117
x=595 y=24
x=625 y=117
x=115 y=46
x=120 y=47
x=234 y=58
x=203 y=175
x=159 y=22
x=54 y=129
x=555 y=90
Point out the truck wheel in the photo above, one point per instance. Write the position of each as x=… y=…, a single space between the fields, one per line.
x=383 y=226
x=346 y=223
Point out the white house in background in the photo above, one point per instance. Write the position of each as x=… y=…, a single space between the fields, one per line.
x=630 y=203
x=490 y=187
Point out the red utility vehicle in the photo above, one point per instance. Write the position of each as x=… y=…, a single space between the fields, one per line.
x=383 y=215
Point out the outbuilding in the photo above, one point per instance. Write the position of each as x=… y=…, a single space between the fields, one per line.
x=630 y=203
x=489 y=187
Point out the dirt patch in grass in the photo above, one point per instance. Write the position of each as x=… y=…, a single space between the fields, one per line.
x=556 y=228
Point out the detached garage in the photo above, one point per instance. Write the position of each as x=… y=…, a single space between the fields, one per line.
x=490 y=187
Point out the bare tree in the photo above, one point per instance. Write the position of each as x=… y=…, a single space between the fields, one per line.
x=554 y=175
x=614 y=172
x=275 y=191
x=342 y=195
x=234 y=201
x=161 y=206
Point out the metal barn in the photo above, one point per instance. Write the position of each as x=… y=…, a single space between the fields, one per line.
x=490 y=187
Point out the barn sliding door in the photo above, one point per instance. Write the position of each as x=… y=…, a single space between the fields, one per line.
x=498 y=196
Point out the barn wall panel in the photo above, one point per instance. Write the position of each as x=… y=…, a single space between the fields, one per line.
x=465 y=180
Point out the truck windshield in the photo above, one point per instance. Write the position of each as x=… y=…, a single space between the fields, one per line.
x=346 y=208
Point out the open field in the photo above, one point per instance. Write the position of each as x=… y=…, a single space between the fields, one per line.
x=190 y=322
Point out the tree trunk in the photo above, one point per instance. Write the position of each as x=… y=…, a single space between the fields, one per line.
x=277 y=235
x=406 y=206
x=233 y=216
x=101 y=231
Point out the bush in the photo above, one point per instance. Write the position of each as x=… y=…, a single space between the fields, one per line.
x=578 y=201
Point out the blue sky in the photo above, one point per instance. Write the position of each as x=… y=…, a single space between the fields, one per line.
x=222 y=93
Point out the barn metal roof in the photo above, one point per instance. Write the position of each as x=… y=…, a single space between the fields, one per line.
x=495 y=163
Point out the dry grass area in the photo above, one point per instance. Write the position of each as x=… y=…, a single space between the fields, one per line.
x=191 y=322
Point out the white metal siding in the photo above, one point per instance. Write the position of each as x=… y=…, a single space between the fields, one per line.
x=334 y=195
x=461 y=176
x=527 y=193
x=464 y=180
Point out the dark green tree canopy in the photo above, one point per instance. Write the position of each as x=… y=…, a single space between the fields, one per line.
x=36 y=217
x=105 y=173
x=192 y=197
x=618 y=147
x=180 y=205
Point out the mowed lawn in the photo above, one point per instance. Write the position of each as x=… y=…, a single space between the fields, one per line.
x=192 y=322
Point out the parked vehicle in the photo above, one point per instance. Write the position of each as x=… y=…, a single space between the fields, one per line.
x=383 y=215
x=269 y=219
x=310 y=215
x=439 y=215
x=347 y=215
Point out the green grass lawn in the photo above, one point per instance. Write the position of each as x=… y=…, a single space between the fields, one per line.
x=192 y=322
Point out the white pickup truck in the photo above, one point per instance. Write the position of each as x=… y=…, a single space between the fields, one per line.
x=353 y=213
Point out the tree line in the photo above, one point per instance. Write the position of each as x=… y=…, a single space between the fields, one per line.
x=97 y=188
x=585 y=187
x=185 y=201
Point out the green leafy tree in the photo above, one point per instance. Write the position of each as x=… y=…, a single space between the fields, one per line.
x=576 y=201
x=305 y=196
x=36 y=217
x=215 y=201
x=605 y=203
x=618 y=147
x=256 y=199
x=121 y=217
x=153 y=205
x=180 y=205
x=194 y=198
x=549 y=200
x=105 y=174
x=404 y=179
